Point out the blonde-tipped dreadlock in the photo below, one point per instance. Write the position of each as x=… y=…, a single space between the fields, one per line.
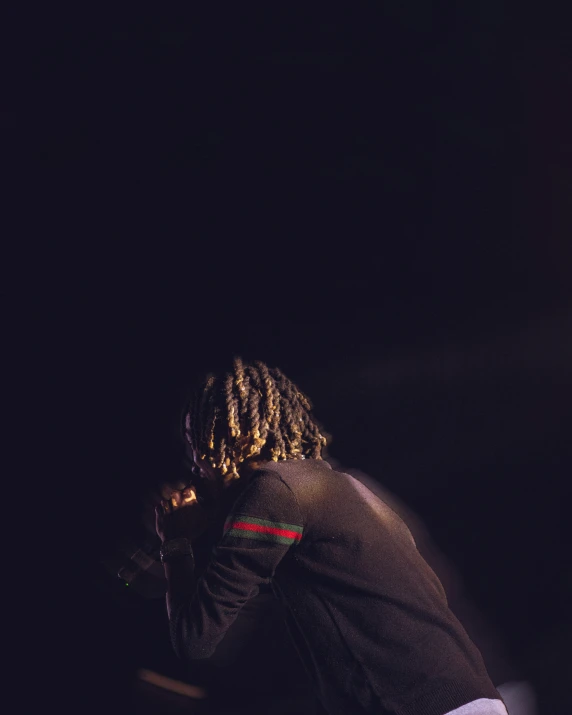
x=253 y=411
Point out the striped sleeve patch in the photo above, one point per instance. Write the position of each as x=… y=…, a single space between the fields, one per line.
x=249 y=527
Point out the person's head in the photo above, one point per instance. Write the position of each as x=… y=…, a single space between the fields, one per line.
x=250 y=415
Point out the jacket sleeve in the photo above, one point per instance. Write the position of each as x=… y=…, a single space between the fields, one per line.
x=264 y=525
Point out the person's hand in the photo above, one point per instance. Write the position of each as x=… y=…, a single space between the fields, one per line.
x=180 y=516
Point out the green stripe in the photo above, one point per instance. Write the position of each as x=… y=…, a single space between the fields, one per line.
x=259 y=536
x=265 y=522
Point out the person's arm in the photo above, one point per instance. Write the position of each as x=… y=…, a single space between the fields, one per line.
x=181 y=581
x=263 y=526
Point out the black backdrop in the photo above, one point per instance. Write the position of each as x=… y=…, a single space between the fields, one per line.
x=373 y=201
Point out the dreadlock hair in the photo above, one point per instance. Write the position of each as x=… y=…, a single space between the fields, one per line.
x=253 y=411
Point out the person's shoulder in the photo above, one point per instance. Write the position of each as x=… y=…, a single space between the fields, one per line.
x=269 y=494
x=267 y=477
x=304 y=478
x=292 y=469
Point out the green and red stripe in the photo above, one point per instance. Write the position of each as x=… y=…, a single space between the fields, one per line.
x=249 y=527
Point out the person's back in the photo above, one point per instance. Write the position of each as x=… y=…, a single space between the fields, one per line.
x=506 y=674
x=368 y=615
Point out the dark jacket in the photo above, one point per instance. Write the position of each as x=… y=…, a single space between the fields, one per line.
x=368 y=616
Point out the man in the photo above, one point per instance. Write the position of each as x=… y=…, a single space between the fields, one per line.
x=368 y=616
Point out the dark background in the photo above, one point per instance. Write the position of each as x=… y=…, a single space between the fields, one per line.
x=377 y=202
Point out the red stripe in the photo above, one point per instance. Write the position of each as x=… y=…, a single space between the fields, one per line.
x=265 y=529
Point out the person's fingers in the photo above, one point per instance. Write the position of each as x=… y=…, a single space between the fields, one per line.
x=167 y=488
x=189 y=495
x=166 y=506
x=176 y=500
